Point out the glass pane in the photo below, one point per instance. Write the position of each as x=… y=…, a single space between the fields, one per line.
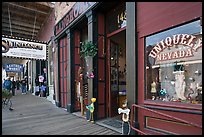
x=174 y=64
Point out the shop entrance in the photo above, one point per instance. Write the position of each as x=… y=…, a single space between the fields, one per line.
x=117 y=90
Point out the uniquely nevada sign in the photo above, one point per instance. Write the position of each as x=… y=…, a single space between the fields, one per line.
x=179 y=47
x=23 y=49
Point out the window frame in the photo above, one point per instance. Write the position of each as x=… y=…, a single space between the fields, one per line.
x=168 y=33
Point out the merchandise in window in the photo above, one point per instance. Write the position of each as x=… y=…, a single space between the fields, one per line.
x=174 y=64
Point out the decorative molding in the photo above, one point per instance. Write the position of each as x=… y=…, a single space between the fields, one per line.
x=89 y=15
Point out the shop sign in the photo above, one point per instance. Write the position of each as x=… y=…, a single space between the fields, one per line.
x=78 y=9
x=23 y=49
x=179 y=47
x=13 y=67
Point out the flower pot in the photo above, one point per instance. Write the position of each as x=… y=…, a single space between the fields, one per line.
x=88 y=63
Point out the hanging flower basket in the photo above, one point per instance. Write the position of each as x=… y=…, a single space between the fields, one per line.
x=88 y=50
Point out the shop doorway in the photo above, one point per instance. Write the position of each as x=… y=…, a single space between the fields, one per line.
x=79 y=84
x=117 y=56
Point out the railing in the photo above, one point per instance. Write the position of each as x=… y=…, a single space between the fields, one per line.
x=156 y=112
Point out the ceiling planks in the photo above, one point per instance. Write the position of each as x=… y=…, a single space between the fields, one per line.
x=26 y=18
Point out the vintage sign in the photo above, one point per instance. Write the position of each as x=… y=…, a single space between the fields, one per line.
x=179 y=47
x=78 y=9
x=13 y=67
x=23 y=49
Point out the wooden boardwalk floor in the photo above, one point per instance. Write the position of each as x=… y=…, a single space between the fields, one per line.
x=37 y=116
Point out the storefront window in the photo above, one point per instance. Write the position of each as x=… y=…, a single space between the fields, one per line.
x=174 y=64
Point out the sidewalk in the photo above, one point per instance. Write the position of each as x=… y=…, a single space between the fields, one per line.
x=34 y=115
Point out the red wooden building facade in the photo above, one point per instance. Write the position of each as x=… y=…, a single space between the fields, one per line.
x=126 y=34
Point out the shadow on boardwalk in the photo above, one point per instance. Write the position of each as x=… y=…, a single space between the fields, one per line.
x=37 y=116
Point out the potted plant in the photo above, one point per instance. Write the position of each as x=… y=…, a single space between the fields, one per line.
x=88 y=50
x=6 y=93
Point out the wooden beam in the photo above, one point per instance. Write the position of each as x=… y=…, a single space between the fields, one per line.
x=25 y=36
x=24 y=15
x=19 y=28
x=19 y=22
x=18 y=31
x=26 y=8
x=47 y=4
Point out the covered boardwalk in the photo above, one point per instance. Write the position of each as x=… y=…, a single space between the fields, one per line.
x=34 y=115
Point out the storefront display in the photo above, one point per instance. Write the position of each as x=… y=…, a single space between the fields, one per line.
x=174 y=64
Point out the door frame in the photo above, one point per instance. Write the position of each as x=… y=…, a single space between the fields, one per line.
x=108 y=36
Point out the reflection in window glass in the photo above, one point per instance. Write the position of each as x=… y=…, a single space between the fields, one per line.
x=174 y=64
x=191 y=28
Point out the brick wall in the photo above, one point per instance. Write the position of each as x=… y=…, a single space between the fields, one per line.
x=61 y=8
x=47 y=29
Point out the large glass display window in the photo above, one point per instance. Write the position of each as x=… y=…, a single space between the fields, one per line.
x=173 y=60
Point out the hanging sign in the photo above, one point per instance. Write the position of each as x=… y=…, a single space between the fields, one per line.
x=13 y=67
x=23 y=49
x=179 y=47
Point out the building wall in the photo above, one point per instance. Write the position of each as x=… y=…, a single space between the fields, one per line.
x=46 y=34
x=55 y=64
x=61 y=8
x=47 y=29
x=61 y=11
x=157 y=19
x=50 y=69
x=153 y=17
x=156 y=16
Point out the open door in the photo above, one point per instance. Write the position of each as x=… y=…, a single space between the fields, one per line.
x=114 y=79
x=116 y=72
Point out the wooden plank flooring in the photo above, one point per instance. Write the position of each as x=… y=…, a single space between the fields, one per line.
x=37 y=116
